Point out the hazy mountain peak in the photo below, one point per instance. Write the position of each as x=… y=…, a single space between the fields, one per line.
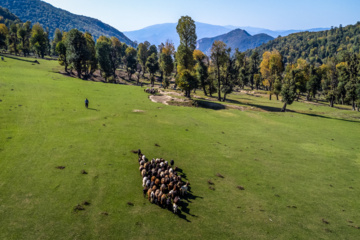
x=237 y=38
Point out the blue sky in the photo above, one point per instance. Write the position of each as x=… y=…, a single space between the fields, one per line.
x=272 y=14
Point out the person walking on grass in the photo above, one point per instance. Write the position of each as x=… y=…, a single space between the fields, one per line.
x=86 y=103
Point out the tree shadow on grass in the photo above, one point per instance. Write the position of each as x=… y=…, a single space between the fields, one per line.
x=20 y=59
x=275 y=109
x=210 y=105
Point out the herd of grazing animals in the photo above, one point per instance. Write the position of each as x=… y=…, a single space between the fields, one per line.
x=162 y=184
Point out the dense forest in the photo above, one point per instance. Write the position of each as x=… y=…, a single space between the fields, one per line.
x=315 y=47
x=53 y=18
x=7 y=17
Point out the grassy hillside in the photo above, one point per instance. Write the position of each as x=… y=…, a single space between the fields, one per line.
x=298 y=169
x=52 y=17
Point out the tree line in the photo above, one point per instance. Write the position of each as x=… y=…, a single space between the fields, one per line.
x=221 y=73
x=337 y=80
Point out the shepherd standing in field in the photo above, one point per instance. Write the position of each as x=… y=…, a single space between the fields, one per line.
x=86 y=103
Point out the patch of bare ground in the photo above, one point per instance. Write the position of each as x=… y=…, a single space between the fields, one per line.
x=164 y=98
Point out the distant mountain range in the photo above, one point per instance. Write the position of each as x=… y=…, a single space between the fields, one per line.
x=237 y=38
x=157 y=34
x=52 y=17
x=275 y=33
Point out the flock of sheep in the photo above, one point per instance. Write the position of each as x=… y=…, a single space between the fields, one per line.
x=162 y=184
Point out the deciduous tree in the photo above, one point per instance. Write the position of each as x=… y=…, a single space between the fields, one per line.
x=219 y=55
x=186 y=29
x=271 y=68
x=201 y=69
x=152 y=65
x=76 y=50
x=39 y=40
x=130 y=60
x=4 y=31
x=103 y=53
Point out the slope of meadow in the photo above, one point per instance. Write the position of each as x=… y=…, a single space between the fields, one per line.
x=299 y=169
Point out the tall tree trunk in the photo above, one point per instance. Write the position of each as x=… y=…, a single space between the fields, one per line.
x=224 y=99
x=353 y=105
x=204 y=88
x=277 y=97
x=284 y=108
x=270 y=96
x=219 y=84
x=331 y=102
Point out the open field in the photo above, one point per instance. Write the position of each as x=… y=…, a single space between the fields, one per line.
x=299 y=169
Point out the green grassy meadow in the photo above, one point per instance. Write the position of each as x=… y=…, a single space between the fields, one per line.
x=298 y=168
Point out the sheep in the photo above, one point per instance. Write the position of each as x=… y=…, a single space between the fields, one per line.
x=157 y=182
x=148 y=182
x=149 y=193
x=144 y=181
x=157 y=193
x=175 y=208
x=168 y=202
x=163 y=199
x=152 y=197
x=171 y=193
x=172 y=162
x=163 y=188
x=159 y=196
x=145 y=190
x=183 y=190
x=170 y=186
x=143 y=173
